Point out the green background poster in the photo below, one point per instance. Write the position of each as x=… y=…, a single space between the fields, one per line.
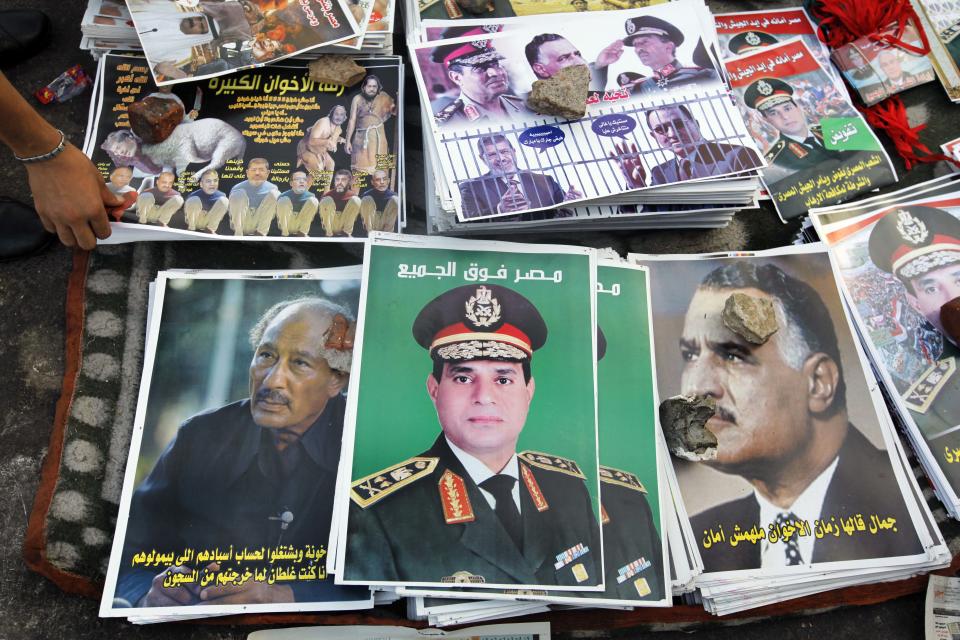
x=625 y=379
x=396 y=419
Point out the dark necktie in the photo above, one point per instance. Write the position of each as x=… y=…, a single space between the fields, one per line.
x=792 y=546
x=501 y=487
x=685 y=172
x=812 y=142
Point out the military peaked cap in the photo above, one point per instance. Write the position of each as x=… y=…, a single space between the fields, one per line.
x=651 y=26
x=910 y=241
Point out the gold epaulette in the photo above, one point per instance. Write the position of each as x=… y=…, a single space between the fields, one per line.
x=775 y=150
x=553 y=463
x=366 y=491
x=448 y=111
x=622 y=478
x=921 y=394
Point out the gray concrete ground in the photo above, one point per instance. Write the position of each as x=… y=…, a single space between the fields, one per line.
x=32 y=293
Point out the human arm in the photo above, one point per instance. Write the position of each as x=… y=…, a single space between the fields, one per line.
x=609 y=54
x=351 y=124
x=69 y=194
x=629 y=160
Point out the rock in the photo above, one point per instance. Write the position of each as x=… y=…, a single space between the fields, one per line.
x=752 y=318
x=950 y=319
x=683 y=419
x=564 y=94
x=334 y=69
x=154 y=119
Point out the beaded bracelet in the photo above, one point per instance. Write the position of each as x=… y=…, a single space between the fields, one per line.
x=46 y=156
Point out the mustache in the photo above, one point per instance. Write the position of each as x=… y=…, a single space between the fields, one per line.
x=271 y=395
x=726 y=415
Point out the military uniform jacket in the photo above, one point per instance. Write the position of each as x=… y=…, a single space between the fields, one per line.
x=632 y=554
x=863 y=483
x=463 y=110
x=934 y=397
x=405 y=533
x=710 y=159
x=674 y=76
x=480 y=196
x=791 y=155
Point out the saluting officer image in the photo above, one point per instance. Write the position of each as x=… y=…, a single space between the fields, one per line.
x=655 y=42
x=484 y=84
x=472 y=509
x=921 y=247
x=800 y=145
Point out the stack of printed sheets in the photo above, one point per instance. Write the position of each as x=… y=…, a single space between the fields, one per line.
x=898 y=256
x=107 y=26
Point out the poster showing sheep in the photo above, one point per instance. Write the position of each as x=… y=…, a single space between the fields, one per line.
x=266 y=153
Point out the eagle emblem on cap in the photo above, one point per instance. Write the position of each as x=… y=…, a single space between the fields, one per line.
x=630 y=27
x=752 y=38
x=480 y=44
x=482 y=309
x=910 y=228
x=764 y=88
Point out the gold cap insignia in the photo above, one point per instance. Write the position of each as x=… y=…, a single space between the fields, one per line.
x=482 y=309
x=910 y=228
x=752 y=38
x=764 y=88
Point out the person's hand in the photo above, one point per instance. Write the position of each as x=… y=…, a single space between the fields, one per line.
x=71 y=198
x=572 y=193
x=193 y=114
x=250 y=592
x=513 y=200
x=348 y=147
x=630 y=165
x=160 y=596
x=610 y=54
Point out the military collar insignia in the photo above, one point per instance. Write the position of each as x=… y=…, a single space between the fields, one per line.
x=482 y=309
x=553 y=463
x=764 y=88
x=922 y=394
x=910 y=228
x=453 y=496
x=621 y=478
x=539 y=501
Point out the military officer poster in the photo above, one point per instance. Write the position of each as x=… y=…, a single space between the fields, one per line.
x=266 y=153
x=820 y=149
x=750 y=31
x=474 y=447
x=228 y=493
x=899 y=262
x=635 y=501
x=801 y=464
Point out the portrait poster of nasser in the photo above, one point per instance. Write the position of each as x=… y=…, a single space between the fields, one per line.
x=899 y=262
x=186 y=40
x=802 y=465
x=481 y=359
x=820 y=149
x=633 y=516
x=228 y=492
x=262 y=153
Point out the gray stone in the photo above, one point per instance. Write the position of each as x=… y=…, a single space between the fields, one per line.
x=683 y=419
x=564 y=94
x=336 y=69
x=752 y=318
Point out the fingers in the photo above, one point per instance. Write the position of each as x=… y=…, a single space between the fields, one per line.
x=84 y=235
x=101 y=226
x=66 y=235
x=110 y=199
x=47 y=224
x=223 y=591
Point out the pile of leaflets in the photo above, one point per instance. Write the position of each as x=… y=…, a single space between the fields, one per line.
x=802 y=485
x=941 y=22
x=285 y=459
x=898 y=257
x=266 y=153
x=661 y=144
x=107 y=26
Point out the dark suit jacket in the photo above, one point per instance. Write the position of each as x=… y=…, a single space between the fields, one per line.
x=481 y=195
x=710 y=159
x=862 y=483
x=404 y=536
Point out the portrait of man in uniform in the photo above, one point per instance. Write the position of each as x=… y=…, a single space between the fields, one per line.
x=676 y=130
x=782 y=424
x=484 y=85
x=800 y=145
x=474 y=507
x=505 y=188
x=920 y=246
x=655 y=42
x=258 y=472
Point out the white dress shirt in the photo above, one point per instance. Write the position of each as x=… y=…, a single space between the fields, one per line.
x=479 y=472
x=807 y=507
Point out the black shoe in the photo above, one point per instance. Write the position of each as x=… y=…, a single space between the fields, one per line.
x=21 y=233
x=23 y=32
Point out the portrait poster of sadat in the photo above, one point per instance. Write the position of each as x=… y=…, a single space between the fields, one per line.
x=474 y=447
x=228 y=496
x=801 y=475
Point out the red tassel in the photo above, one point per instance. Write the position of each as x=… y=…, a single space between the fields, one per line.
x=842 y=22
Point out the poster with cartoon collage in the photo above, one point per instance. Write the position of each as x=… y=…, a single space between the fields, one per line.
x=263 y=153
